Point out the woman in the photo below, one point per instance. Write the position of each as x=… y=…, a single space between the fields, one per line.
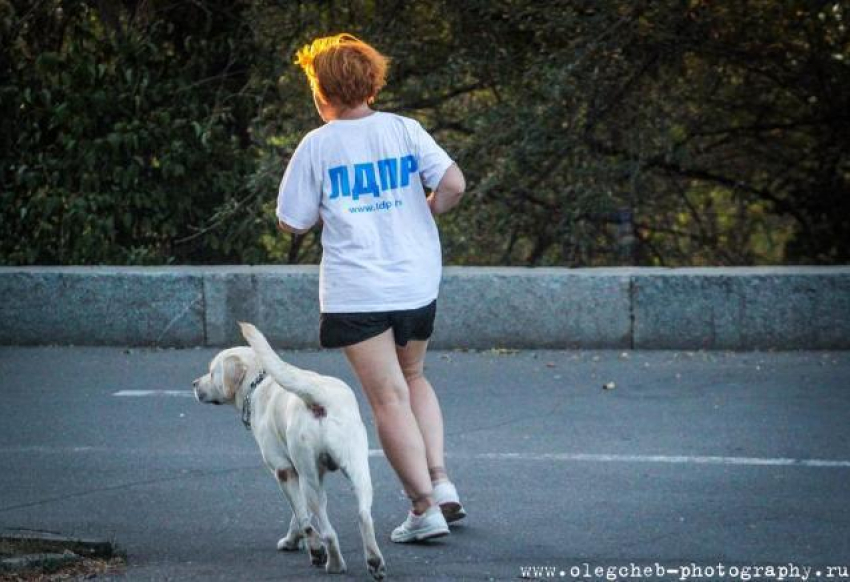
x=361 y=174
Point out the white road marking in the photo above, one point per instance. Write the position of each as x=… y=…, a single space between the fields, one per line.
x=681 y=459
x=547 y=457
x=46 y=449
x=135 y=393
x=581 y=457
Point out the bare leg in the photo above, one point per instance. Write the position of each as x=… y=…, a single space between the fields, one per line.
x=426 y=407
x=376 y=364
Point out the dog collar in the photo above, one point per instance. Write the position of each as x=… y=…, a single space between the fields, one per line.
x=246 y=403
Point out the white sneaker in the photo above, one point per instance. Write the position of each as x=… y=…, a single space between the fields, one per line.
x=445 y=495
x=430 y=524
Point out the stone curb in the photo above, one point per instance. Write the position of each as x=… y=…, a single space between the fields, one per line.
x=795 y=307
x=47 y=552
x=41 y=562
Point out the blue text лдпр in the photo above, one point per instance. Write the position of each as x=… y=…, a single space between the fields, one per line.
x=371 y=177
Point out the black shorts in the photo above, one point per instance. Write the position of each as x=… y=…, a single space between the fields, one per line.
x=337 y=330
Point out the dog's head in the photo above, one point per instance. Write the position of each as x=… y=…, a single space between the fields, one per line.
x=228 y=370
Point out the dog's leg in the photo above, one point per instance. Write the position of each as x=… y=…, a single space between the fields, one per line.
x=358 y=473
x=300 y=525
x=293 y=536
x=317 y=503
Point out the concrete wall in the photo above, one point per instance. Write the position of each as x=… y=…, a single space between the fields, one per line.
x=479 y=307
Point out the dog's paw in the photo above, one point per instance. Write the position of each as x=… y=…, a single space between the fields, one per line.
x=377 y=568
x=335 y=565
x=318 y=556
x=290 y=543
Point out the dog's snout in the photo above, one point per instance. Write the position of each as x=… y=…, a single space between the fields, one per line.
x=195 y=382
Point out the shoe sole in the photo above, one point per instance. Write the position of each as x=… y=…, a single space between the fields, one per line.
x=452 y=511
x=422 y=535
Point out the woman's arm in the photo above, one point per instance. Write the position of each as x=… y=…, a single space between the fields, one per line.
x=283 y=227
x=449 y=191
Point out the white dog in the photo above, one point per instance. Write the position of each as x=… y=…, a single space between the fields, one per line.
x=306 y=424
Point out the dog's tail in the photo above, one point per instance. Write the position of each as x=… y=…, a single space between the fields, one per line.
x=288 y=376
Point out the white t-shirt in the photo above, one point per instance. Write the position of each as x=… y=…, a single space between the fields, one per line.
x=364 y=177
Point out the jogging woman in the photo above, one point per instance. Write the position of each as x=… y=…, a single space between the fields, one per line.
x=363 y=174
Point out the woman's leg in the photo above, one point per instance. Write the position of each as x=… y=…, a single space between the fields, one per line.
x=425 y=405
x=377 y=367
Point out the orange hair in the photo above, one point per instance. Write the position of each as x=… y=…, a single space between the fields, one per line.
x=343 y=69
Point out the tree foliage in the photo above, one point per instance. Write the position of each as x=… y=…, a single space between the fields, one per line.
x=591 y=133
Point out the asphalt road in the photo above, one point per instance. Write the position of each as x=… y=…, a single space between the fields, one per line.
x=694 y=459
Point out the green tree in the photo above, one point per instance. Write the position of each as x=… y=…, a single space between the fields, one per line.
x=592 y=133
x=122 y=127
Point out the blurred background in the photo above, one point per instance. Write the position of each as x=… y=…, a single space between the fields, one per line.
x=591 y=133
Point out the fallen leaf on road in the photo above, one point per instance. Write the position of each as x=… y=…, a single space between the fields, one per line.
x=504 y=351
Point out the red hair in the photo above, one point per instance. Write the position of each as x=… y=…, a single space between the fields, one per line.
x=343 y=70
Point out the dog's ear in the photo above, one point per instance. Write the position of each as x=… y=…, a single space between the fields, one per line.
x=233 y=373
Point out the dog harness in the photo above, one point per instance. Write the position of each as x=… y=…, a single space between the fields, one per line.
x=246 y=403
